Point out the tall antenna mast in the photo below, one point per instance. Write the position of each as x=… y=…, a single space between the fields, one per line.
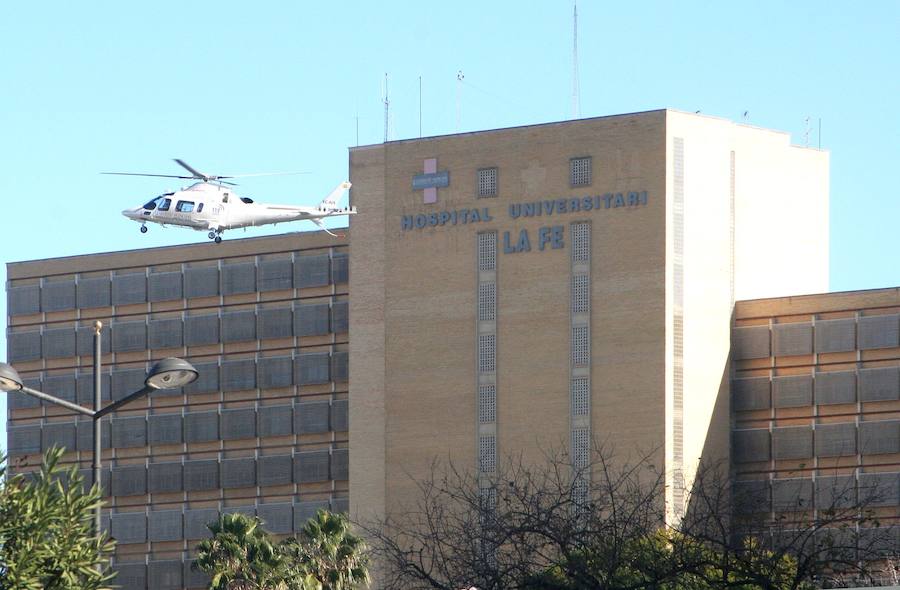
x=806 y=133
x=420 y=106
x=386 y=107
x=459 y=80
x=575 y=89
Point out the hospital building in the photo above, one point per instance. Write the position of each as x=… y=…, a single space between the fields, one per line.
x=657 y=280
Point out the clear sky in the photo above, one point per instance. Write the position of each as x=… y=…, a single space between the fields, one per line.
x=236 y=87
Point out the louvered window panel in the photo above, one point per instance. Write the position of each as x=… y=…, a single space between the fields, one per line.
x=58 y=343
x=793 y=442
x=129 y=336
x=207 y=378
x=126 y=381
x=58 y=296
x=238 y=326
x=751 y=342
x=129 y=527
x=275 y=275
x=129 y=289
x=581 y=294
x=84 y=341
x=581 y=242
x=487 y=182
x=487 y=302
x=201 y=329
x=165 y=286
x=23 y=300
x=238 y=375
x=167 y=333
x=581 y=346
x=751 y=445
x=487 y=454
x=311 y=319
x=487 y=403
x=750 y=394
x=237 y=423
x=311 y=466
x=93 y=292
x=275 y=323
x=581 y=447
x=340 y=268
x=23 y=346
x=487 y=251
x=340 y=317
x=312 y=271
x=836 y=440
x=275 y=372
x=201 y=281
x=581 y=396
x=238 y=278
x=312 y=368
x=340 y=464
x=340 y=366
x=487 y=353
x=580 y=171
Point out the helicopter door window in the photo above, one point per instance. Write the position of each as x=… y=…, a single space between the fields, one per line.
x=164 y=206
x=200 y=208
x=184 y=206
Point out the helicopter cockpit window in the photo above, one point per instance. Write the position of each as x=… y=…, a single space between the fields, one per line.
x=164 y=206
x=247 y=200
x=185 y=206
x=152 y=204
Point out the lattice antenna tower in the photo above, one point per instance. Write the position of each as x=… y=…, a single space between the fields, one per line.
x=459 y=82
x=387 y=104
x=575 y=89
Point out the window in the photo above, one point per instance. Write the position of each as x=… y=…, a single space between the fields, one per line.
x=185 y=206
x=580 y=171
x=487 y=182
x=200 y=208
x=164 y=206
x=487 y=251
x=152 y=204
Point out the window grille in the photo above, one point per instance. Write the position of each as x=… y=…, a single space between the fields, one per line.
x=581 y=346
x=581 y=294
x=581 y=396
x=487 y=404
x=487 y=454
x=580 y=494
x=581 y=242
x=487 y=351
x=487 y=302
x=487 y=182
x=581 y=445
x=580 y=171
x=487 y=251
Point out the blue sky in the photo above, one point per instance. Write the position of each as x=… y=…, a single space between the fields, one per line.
x=236 y=87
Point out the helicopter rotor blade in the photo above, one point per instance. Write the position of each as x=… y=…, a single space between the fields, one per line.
x=263 y=174
x=196 y=173
x=140 y=174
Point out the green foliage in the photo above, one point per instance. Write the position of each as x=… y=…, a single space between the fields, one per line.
x=330 y=553
x=46 y=531
x=669 y=561
x=241 y=555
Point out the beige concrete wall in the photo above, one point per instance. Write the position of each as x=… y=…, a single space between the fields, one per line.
x=781 y=215
x=429 y=298
x=367 y=350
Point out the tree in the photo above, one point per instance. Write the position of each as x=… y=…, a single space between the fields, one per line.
x=547 y=524
x=46 y=530
x=241 y=555
x=329 y=552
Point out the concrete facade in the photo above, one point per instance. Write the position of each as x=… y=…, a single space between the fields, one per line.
x=816 y=398
x=675 y=210
x=262 y=431
x=506 y=291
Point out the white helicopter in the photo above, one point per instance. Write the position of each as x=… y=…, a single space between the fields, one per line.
x=212 y=205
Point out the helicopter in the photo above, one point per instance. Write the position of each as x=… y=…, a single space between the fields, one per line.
x=212 y=205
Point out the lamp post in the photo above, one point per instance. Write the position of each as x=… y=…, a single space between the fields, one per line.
x=168 y=373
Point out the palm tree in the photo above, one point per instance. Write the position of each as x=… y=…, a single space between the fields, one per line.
x=329 y=553
x=241 y=556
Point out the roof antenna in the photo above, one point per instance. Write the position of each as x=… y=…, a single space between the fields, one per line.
x=806 y=133
x=575 y=89
x=459 y=81
x=386 y=106
x=745 y=117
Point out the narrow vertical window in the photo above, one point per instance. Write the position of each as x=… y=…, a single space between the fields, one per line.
x=487 y=183
x=580 y=171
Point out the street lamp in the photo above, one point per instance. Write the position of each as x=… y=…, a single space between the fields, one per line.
x=169 y=373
